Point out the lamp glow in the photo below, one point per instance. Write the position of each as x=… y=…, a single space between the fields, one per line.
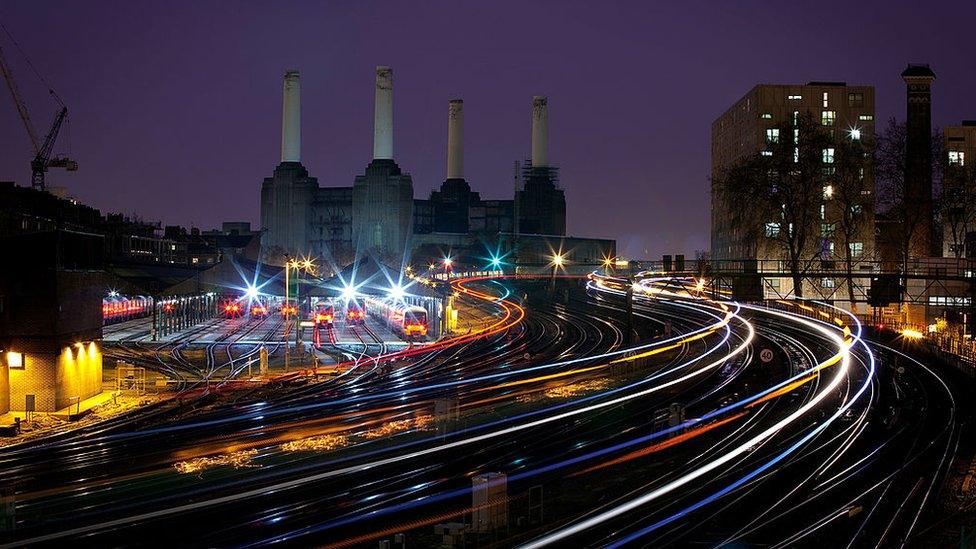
x=395 y=292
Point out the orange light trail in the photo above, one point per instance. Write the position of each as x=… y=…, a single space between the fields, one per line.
x=656 y=447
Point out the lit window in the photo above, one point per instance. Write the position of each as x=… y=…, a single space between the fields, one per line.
x=828 y=155
x=856 y=209
x=766 y=116
x=772 y=135
x=794 y=97
x=827 y=118
x=823 y=211
x=955 y=157
x=772 y=230
x=857 y=249
x=827 y=283
x=767 y=153
x=855 y=99
x=15 y=360
x=866 y=117
x=825 y=100
x=827 y=230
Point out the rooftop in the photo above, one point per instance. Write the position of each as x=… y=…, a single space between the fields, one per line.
x=918 y=70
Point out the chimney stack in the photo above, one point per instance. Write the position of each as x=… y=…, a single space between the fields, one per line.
x=383 y=116
x=540 y=131
x=291 y=119
x=455 y=139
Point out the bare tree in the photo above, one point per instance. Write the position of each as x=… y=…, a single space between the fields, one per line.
x=957 y=205
x=854 y=196
x=896 y=196
x=775 y=195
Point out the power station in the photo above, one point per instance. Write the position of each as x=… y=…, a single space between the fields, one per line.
x=379 y=215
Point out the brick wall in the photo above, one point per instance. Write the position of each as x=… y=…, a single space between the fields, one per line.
x=55 y=379
x=4 y=386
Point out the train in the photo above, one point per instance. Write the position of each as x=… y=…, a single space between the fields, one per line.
x=324 y=315
x=118 y=308
x=355 y=313
x=407 y=321
x=233 y=308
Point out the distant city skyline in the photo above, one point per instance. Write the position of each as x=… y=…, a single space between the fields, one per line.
x=184 y=126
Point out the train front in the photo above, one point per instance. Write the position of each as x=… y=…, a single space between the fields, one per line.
x=415 y=323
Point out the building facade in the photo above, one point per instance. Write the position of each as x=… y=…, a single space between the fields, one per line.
x=959 y=191
x=745 y=129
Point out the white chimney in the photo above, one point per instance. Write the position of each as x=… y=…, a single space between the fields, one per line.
x=455 y=139
x=291 y=119
x=383 y=115
x=540 y=131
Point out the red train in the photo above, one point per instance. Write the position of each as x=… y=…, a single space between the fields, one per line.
x=324 y=315
x=355 y=313
x=118 y=308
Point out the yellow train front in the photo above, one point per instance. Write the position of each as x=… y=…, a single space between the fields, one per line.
x=412 y=322
x=407 y=321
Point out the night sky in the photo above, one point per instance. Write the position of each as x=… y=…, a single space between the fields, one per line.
x=175 y=107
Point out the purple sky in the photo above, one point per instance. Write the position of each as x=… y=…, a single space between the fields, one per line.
x=175 y=106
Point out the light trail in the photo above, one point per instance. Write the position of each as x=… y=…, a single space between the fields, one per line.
x=840 y=374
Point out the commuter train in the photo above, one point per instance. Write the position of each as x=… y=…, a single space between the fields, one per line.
x=407 y=321
x=259 y=310
x=119 y=308
x=324 y=315
x=355 y=313
x=233 y=308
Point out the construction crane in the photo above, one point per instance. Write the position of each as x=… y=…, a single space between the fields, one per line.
x=42 y=149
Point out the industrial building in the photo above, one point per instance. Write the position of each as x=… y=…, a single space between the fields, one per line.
x=379 y=213
x=300 y=218
x=919 y=211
